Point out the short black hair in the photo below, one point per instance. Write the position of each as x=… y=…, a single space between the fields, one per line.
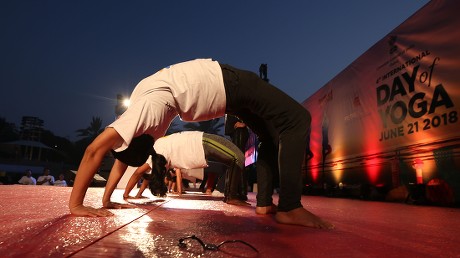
x=137 y=152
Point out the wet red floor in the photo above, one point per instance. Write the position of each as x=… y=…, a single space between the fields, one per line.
x=35 y=222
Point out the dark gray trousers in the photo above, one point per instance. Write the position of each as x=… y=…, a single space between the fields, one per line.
x=281 y=125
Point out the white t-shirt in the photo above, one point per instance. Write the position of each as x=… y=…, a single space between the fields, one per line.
x=194 y=90
x=48 y=177
x=60 y=183
x=189 y=173
x=182 y=150
x=27 y=180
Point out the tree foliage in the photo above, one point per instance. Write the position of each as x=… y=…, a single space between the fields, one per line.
x=8 y=131
x=87 y=135
x=93 y=130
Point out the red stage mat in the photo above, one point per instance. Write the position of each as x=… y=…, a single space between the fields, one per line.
x=35 y=222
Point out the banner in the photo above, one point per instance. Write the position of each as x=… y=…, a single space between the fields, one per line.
x=394 y=106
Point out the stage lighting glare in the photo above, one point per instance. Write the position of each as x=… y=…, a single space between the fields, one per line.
x=418 y=166
x=126 y=102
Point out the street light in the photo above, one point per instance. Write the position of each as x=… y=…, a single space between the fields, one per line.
x=122 y=105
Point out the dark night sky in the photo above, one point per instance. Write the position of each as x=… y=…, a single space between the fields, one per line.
x=65 y=61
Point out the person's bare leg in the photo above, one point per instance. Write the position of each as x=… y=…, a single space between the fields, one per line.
x=169 y=186
x=134 y=179
x=179 y=181
x=210 y=183
x=302 y=217
x=144 y=185
x=264 y=210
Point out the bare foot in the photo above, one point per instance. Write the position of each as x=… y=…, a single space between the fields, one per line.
x=264 y=210
x=302 y=217
x=237 y=202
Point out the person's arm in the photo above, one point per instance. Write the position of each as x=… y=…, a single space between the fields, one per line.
x=40 y=180
x=89 y=164
x=135 y=178
x=179 y=181
x=118 y=169
x=144 y=185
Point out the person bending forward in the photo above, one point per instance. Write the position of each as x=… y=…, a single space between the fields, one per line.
x=200 y=90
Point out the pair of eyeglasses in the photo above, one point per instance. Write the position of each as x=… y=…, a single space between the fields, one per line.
x=212 y=247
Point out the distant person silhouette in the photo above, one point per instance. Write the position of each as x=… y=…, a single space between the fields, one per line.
x=263 y=70
x=27 y=179
x=46 y=178
x=61 y=181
